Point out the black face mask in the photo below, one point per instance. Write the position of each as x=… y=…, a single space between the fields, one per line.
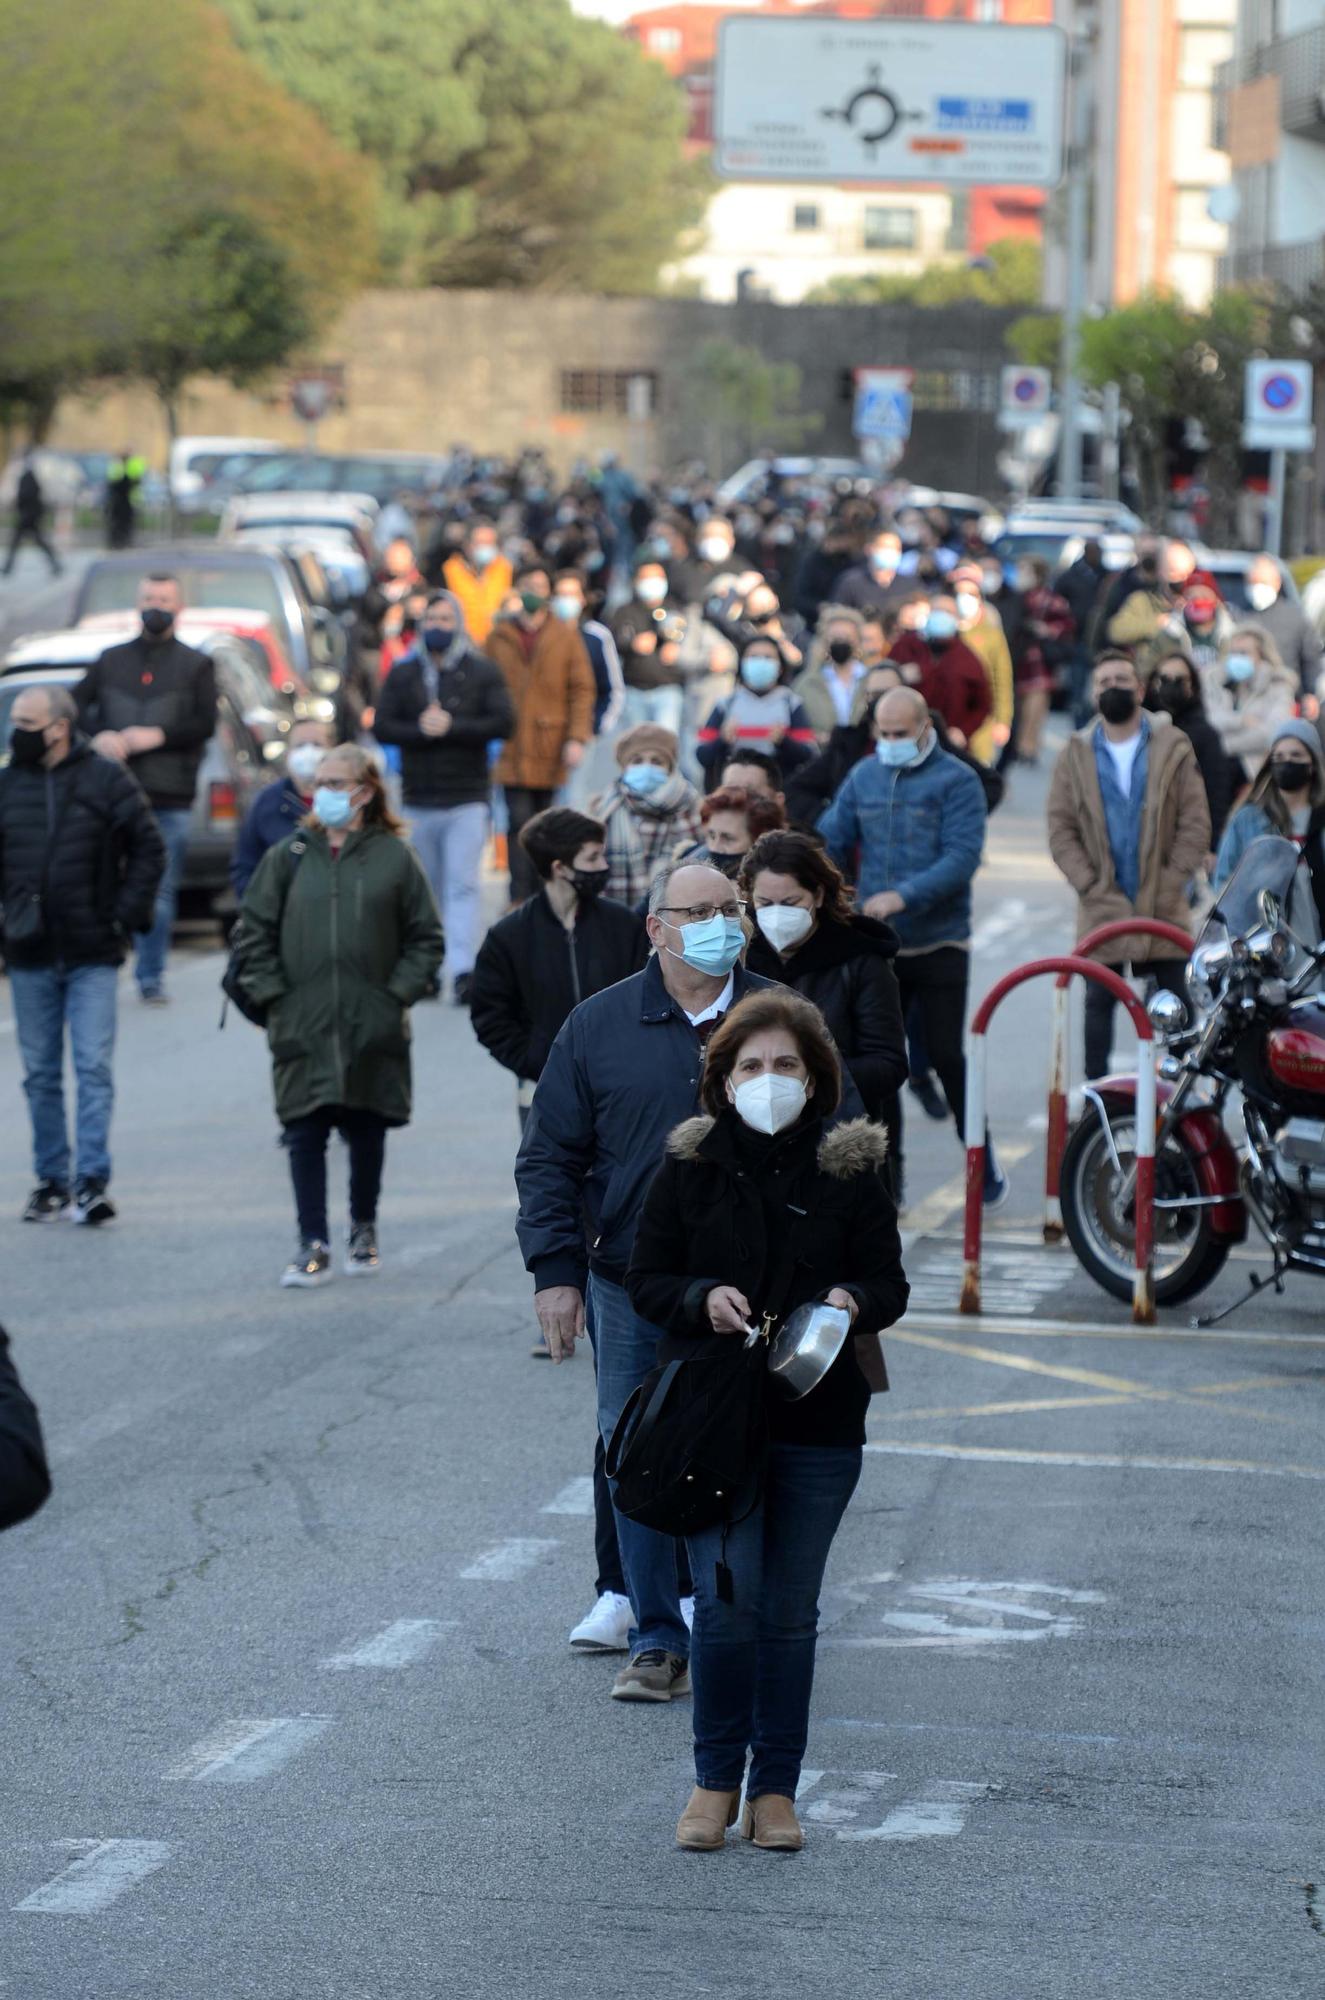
x=726 y=864
x=27 y=747
x=156 y=622
x=840 y=651
x=1290 y=777
x=1118 y=704
x=1172 y=696
x=589 y=883
x=438 y=638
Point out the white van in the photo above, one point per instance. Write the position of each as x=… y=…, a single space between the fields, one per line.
x=195 y=461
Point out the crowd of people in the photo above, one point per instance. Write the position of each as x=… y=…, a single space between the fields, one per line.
x=741 y=763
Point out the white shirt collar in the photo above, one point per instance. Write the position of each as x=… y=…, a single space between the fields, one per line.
x=720 y=1005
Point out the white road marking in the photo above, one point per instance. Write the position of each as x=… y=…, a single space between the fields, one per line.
x=976 y=1614
x=508 y=1560
x=939 y=1813
x=241 y=1752
x=1095 y=1329
x=576 y=1497
x=396 y=1645
x=807 y=1783
x=1092 y=1460
x=929 y=1215
x=103 y=1872
x=1009 y=919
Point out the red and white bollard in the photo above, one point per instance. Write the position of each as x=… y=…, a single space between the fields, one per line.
x=1143 y=1293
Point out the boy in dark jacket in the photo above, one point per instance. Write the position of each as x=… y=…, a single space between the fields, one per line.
x=444 y=703
x=534 y=967
x=80 y=861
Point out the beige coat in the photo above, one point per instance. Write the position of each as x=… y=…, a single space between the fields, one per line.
x=1248 y=714
x=1175 y=837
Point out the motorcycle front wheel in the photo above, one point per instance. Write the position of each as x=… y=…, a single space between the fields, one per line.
x=1102 y=1230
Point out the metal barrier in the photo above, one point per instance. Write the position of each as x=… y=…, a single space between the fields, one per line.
x=1060 y=1058
x=1143 y=1294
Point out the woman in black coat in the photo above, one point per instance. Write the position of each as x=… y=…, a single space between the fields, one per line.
x=1174 y=689
x=758 y=1208
x=808 y=937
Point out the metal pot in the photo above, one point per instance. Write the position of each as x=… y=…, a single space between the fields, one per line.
x=805 y=1347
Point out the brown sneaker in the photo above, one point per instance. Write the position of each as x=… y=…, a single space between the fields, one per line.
x=652 y=1676
x=703 y=1825
x=770 y=1821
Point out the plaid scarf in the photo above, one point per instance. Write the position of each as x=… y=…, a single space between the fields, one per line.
x=641 y=833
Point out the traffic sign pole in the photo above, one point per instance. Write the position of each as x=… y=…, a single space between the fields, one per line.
x=1078 y=157
x=1274 y=513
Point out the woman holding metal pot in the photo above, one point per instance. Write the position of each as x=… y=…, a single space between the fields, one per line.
x=757 y=1208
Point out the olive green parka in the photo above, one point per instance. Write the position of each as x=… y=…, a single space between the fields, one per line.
x=338 y=950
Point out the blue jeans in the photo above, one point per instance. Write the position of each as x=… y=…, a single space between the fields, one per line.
x=449 y=841
x=625 y=1349
x=46 y=997
x=752 y=1661
x=151 y=963
x=663 y=705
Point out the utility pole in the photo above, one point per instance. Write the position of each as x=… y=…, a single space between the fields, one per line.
x=1078 y=226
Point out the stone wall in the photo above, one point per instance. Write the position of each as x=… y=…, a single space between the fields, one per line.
x=503 y=369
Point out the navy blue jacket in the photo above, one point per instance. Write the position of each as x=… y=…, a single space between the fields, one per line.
x=623 y=1071
x=272 y=817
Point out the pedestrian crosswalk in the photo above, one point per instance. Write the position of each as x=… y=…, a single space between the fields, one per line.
x=1012 y=1279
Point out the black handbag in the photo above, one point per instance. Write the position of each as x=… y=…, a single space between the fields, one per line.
x=688 y=1449
x=232 y=979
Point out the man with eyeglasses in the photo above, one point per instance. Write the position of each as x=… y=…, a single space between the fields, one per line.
x=623 y=1071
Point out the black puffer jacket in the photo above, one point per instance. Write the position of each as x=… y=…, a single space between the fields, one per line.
x=155 y=684
x=846 y=970
x=98 y=882
x=784 y=1220
x=25 y=1480
x=532 y=971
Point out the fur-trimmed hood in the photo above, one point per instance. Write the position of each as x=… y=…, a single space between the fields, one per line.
x=856 y=1147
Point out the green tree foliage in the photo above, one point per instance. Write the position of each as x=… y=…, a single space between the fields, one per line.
x=1010 y=275
x=518 y=143
x=125 y=129
x=746 y=402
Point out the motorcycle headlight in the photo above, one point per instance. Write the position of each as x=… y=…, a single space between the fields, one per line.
x=1168 y=1013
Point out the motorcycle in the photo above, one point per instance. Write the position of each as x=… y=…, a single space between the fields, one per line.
x=1255 y=1028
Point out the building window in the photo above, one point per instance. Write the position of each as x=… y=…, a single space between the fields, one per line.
x=606 y=392
x=959 y=221
x=890 y=229
x=805 y=215
x=664 y=41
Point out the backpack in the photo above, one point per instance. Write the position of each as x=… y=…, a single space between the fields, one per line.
x=688 y=1449
x=232 y=979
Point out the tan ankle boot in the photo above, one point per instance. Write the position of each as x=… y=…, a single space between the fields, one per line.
x=770 y=1821
x=703 y=1825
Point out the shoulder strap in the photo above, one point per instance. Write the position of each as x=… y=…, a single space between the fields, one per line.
x=637 y=1438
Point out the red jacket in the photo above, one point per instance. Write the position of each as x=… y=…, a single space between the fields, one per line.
x=952 y=680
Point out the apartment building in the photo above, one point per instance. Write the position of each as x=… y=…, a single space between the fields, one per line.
x=1270 y=118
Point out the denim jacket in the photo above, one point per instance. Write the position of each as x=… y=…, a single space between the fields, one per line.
x=918 y=829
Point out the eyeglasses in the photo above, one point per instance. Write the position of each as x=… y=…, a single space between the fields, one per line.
x=700 y=913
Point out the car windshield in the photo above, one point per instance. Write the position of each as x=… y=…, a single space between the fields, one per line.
x=114 y=587
x=1269 y=864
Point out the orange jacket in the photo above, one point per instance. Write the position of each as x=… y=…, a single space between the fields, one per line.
x=480 y=592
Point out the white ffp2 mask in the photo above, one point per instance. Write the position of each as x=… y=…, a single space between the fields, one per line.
x=784 y=925
x=769 y=1103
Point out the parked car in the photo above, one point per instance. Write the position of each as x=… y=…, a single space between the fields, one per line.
x=1085 y=517
x=353 y=515
x=751 y=480
x=961 y=508
x=1229 y=569
x=382 y=474
x=253 y=634
x=1059 y=550
x=270 y=712
x=233 y=769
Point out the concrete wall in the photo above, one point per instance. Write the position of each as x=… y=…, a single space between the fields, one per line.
x=425 y=369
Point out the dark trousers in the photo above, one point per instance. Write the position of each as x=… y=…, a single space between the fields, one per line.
x=1166 y=972
x=364 y=1132
x=522 y=802
x=30 y=531
x=933 y=984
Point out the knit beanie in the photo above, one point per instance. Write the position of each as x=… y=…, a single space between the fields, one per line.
x=646 y=737
x=1301 y=732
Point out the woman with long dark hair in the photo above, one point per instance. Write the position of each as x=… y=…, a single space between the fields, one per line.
x=342 y=936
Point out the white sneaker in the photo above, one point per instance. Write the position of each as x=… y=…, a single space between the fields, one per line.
x=688 y=1612
x=606 y=1629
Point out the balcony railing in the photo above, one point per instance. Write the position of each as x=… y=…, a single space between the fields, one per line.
x=1299 y=63
x=1293 y=266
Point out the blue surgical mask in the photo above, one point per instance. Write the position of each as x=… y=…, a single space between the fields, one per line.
x=884 y=560
x=643 y=779
x=940 y=625
x=1239 y=666
x=331 y=807
x=567 y=609
x=760 y=675
x=893 y=753
x=712 y=947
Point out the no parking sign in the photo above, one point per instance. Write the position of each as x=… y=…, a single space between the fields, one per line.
x=1025 y=396
x=1277 y=406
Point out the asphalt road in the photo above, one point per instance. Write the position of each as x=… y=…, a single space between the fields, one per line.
x=288 y=1709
